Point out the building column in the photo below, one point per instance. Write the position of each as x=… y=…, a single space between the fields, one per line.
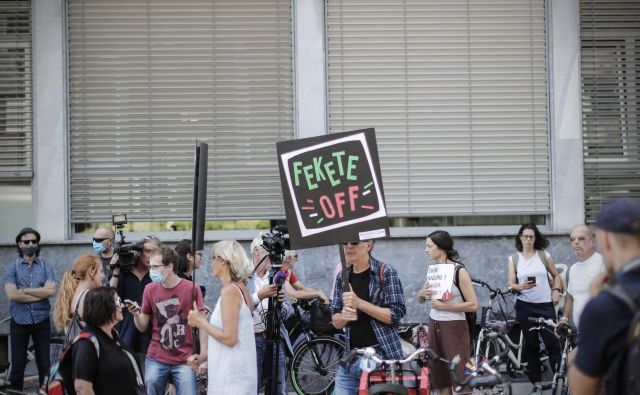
x=565 y=113
x=310 y=72
x=49 y=120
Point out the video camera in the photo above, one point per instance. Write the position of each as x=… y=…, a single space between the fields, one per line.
x=276 y=242
x=128 y=253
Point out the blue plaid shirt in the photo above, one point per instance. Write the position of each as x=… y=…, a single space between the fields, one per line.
x=392 y=297
x=25 y=275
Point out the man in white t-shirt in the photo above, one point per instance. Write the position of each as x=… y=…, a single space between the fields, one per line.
x=582 y=273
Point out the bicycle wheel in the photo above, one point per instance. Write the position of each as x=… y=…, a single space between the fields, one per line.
x=314 y=365
x=388 y=388
x=488 y=348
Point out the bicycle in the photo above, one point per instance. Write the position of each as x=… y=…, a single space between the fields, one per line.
x=389 y=377
x=312 y=360
x=567 y=336
x=31 y=378
x=498 y=329
x=484 y=378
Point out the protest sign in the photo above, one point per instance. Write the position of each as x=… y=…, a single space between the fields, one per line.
x=332 y=189
x=440 y=277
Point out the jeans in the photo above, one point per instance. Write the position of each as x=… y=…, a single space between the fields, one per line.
x=524 y=310
x=348 y=379
x=157 y=375
x=261 y=345
x=19 y=334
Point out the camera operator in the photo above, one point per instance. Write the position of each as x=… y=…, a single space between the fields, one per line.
x=103 y=239
x=130 y=285
x=260 y=290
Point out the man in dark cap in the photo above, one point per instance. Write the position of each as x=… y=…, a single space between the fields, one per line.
x=28 y=284
x=602 y=350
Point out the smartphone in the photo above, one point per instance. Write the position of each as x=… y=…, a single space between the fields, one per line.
x=129 y=302
x=531 y=279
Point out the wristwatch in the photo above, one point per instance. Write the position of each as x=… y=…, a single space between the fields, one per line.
x=557 y=289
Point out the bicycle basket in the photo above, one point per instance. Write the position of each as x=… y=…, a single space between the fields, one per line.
x=320 y=318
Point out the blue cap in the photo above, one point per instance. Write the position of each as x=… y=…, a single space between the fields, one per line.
x=620 y=216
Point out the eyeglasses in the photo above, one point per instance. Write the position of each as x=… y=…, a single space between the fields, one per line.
x=156 y=267
x=119 y=303
x=579 y=238
x=213 y=258
x=100 y=239
x=528 y=237
x=29 y=241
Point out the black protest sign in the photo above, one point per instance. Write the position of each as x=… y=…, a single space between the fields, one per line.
x=332 y=189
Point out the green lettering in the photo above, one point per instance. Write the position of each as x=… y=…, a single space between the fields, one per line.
x=351 y=166
x=297 y=172
x=338 y=156
x=317 y=165
x=330 y=172
x=309 y=176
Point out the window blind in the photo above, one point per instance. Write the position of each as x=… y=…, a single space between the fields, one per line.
x=149 y=78
x=457 y=93
x=16 y=130
x=610 y=59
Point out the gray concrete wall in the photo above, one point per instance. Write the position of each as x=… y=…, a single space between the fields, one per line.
x=484 y=256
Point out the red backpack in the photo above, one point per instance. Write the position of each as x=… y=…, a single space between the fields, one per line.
x=59 y=381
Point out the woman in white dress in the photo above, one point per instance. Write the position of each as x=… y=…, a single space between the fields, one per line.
x=231 y=343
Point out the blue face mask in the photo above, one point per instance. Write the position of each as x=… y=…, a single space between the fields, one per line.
x=157 y=277
x=98 y=248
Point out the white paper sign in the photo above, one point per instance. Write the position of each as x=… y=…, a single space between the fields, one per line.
x=440 y=277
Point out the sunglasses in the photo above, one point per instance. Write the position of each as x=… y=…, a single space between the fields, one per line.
x=30 y=241
x=352 y=243
x=119 y=303
x=100 y=239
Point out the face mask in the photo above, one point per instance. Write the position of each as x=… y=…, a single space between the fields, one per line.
x=29 y=251
x=98 y=248
x=157 y=277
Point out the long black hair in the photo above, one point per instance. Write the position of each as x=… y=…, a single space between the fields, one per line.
x=540 y=243
x=183 y=248
x=443 y=240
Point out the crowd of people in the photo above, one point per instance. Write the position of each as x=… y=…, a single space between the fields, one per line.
x=147 y=320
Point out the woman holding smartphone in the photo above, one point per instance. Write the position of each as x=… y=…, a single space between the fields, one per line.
x=528 y=270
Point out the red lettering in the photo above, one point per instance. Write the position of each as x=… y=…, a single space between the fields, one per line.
x=353 y=195
x=327 y=207
x=340 y=203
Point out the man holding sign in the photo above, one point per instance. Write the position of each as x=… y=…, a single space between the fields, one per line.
x=370 y=310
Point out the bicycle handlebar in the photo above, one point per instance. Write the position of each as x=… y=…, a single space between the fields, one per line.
x=565 y=330
x=371 y=353
x=487 y=286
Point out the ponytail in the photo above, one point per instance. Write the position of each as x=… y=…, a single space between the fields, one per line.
x=62 y=313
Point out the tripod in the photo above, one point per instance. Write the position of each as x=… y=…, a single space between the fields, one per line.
x=273 y=325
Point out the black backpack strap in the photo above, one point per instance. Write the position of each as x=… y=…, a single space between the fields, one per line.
x=456 y=279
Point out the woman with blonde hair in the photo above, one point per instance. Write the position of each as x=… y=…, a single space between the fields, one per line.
x=230 y=331
x=85 y=274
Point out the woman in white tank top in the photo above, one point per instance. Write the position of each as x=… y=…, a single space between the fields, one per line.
x=448 y=328
x=536 y=297
x=231 y=343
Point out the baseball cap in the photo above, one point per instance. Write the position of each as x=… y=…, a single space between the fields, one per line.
x=24 y=231
x=620 y=216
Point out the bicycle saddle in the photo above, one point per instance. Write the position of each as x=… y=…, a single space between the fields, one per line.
x=484 y=381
